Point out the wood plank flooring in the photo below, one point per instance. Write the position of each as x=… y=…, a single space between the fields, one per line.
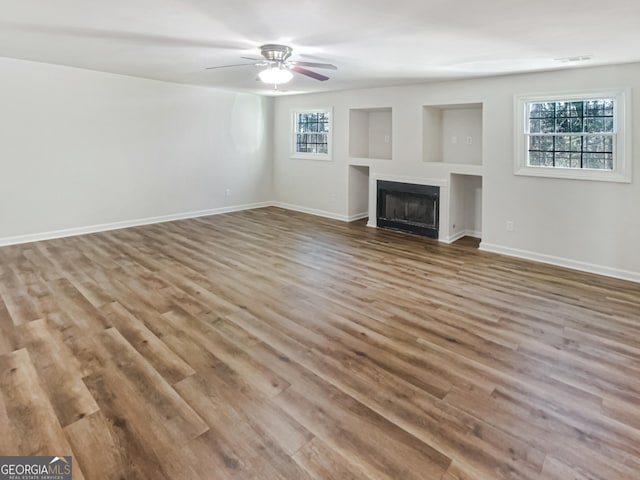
x=269 y=344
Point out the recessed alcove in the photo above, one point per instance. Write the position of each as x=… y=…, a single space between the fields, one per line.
x=465 y=206
x=452 y=133
x=370 y=133
x=358 y=194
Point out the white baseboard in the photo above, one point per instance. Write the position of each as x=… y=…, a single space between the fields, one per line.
x=452 y=239
x=487 y=247
x=357 y=216
x=70 y=232
x=459 y=235
x=313 y=211
x=562 y=262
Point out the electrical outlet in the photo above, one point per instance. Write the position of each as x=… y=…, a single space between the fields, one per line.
x=227 y=192
x=469 y=140
x=510 y=226
x=387 y=139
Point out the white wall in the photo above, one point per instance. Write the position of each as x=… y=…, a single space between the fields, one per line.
x=359 y=128
x=80 y=148
x=380 y=134
x=459 y=127
x=583 y=224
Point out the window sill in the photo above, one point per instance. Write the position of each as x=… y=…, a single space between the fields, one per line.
x=574 y=174
x=311 y=156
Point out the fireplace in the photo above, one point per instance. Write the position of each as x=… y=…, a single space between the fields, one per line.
x=409 y=207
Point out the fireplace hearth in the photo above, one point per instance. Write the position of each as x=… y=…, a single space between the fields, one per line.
x=409 y=207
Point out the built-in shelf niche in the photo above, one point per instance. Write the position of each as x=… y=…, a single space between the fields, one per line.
x=465 y=206
x=358 y=194
x=452 y=133
x=370 y=133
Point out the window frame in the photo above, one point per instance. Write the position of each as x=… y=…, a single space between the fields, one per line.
x=622 y=135
x=294 y=131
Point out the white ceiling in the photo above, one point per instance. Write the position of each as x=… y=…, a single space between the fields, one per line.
x=373 y=42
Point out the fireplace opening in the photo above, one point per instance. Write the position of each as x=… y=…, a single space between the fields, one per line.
x=409 y=207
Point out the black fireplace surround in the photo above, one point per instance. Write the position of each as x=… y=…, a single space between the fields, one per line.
x=409 y=207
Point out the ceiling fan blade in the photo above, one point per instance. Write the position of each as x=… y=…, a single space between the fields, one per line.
x=254 y=59
x=234 y=65
x=309 y=73
x=315 y=65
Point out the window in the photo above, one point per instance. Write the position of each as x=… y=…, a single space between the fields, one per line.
x=312 y=134
x=573 y=136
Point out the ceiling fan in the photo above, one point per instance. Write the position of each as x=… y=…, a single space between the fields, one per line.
x=279 y=67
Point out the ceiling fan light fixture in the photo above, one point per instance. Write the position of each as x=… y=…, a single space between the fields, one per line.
x=275 y=75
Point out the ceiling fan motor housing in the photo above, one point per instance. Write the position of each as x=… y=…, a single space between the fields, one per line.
x=276 y=53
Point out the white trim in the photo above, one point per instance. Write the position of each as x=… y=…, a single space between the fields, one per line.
x=312 y=211
x=104 y=227
x=357 y=216
x=71 y=232
x=459 y=235
x=558 y=261
x=452 y=239
x=622 y=145
x=562 y=262
x=487 y=247
x=435 y=182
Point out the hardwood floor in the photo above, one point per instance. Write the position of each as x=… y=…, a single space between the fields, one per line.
x=269 y=344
